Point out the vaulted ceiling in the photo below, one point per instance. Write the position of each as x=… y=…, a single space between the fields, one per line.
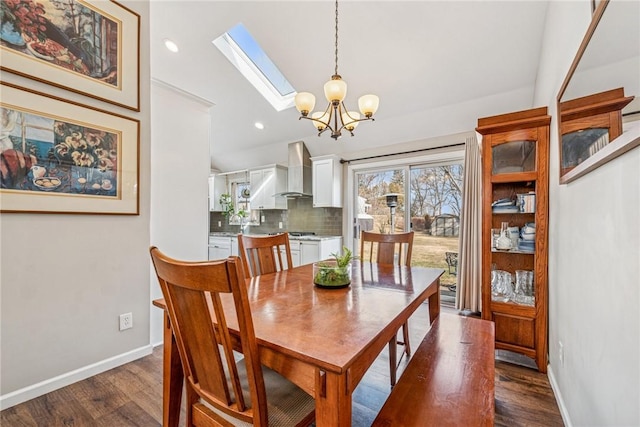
x=436 y=65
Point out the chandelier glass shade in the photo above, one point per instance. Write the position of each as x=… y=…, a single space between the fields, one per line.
x=336 y=117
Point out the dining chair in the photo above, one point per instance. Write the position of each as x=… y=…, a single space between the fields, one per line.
x=392 y=249
x=219 y=389
x=263 y=254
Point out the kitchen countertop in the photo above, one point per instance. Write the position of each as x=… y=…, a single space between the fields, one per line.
x=308 y=238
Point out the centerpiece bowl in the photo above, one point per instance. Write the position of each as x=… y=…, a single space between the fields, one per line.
x=329 y=274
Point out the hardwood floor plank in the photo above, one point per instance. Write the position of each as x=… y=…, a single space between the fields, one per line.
x=128 y=414
x=131 y=395
x=59 y=408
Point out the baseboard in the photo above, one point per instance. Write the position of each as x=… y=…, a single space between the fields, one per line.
x=11 y=399
x=559 y=400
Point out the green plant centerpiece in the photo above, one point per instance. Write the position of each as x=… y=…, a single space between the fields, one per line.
x=334 y=273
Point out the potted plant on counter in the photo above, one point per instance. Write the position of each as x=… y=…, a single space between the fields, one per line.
x=334 y=273
x=227 y=205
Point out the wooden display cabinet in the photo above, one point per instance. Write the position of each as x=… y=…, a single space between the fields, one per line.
x=515 y=160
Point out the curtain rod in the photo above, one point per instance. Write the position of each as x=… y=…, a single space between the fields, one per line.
x=401 y=153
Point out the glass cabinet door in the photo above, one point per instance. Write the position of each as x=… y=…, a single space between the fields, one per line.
x=513 y=157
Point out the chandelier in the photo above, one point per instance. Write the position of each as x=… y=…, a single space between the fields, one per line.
x=336 y=117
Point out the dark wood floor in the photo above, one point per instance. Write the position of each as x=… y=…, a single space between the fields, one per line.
x=131 y=395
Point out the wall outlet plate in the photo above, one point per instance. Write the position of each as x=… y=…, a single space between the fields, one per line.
x=126 y=321
x=561 y=353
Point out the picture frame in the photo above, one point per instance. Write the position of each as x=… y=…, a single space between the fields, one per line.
x=58 y=156
x=91 y=47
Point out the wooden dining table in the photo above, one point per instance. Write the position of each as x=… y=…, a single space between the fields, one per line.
x=323 y=340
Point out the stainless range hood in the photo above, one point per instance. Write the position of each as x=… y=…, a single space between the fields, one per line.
x=299 y=172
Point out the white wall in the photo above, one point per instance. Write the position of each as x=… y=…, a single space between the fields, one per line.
x=66 y=278
x=179 y=172
x=594 y=258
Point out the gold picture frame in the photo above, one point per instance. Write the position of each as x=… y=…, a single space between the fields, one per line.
x=58 y=156
x=90 y=47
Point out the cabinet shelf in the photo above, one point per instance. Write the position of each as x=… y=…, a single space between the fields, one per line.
x=514 y=177
x=513 y=213
x=515 y=162
x=512 y=307
x=512 y=251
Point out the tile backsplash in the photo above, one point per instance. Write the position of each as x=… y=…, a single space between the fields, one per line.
x=300 y=216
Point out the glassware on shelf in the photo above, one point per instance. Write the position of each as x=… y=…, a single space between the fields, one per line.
x=495 y=234
x=524 y=287
x=501 y=286
x=504 y=242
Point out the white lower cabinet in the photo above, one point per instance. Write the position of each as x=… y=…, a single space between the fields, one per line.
x=295 y=252
x=309 y=252
x=302 y=251
x=234 y=246
x=221 y=247
x=317 y=250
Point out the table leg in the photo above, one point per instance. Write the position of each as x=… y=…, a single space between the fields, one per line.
x=333 y=400
x=172 y=378
x=434 y=302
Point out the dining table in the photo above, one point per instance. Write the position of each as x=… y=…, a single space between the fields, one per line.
x=322 y=339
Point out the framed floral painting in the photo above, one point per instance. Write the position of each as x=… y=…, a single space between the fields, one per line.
x=62 y=157
x=89 y=47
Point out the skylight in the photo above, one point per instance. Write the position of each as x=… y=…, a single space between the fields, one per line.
x=254 y=64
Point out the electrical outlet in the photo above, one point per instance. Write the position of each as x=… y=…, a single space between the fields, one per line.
x=219 y=223
x=262 y=219
x=561 y=353
x=279 y=225
x=126 y=321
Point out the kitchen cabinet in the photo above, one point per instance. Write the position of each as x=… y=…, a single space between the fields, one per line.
x=294 y=245
x=217 y=187
x=327 y=181
x=221 y=247
x=515 y=178
x=265 y=183
x=308 y=251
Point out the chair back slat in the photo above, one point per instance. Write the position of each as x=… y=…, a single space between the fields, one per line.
x=193 y=293
x=264 y=254
x=388 y=248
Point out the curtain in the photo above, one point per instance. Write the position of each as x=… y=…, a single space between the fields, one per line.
x=469 y=289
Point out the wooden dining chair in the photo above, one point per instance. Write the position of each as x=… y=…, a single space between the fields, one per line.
x=392 y=249
x=219 y=389
x=263 y=254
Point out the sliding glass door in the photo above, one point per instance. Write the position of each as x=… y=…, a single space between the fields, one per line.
x=380 y=202
x=424 y=197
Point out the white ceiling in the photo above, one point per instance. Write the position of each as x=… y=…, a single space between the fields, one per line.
x=436 y=65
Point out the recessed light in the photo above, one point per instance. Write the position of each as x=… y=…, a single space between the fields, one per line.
x=259 y=125
x=169 y=44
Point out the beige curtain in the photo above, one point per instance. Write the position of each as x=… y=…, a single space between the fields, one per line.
x=469 y=294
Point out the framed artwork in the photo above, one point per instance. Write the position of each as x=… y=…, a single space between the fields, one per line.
x=89 y=47
x=62 y=157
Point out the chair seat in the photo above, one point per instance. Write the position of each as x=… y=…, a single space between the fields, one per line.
x=288 y=405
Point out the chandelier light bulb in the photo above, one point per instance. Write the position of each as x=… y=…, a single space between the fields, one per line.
x=324 y=120
x=335 y=90
x=368 y=105
x=350 y=120
x=305 y=102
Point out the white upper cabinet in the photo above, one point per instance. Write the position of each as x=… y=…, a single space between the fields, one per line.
x=265 y=183
x=217 y=187
x=327 y=182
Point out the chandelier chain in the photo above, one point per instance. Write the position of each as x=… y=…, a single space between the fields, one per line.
x=336 y=71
